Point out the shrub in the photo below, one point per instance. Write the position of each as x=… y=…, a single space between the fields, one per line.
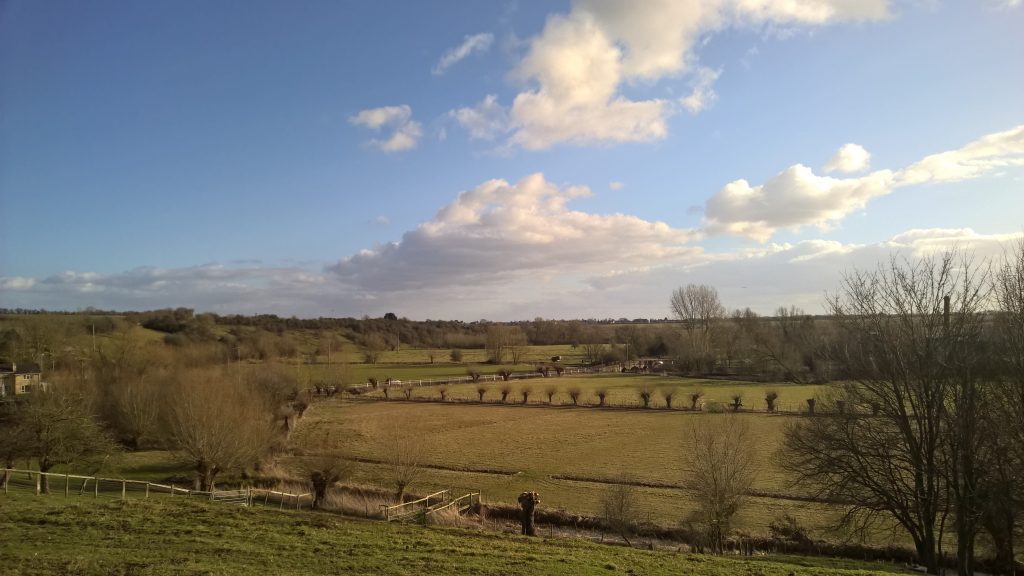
x=505 y=389
x=574 y=394
x=550 y=392
x=737 y=402
x=506 y=375
x=770 y=399
x=525 y=391
x=601 y=394
x=443 y=391
x=473 y=375
x=645 y=394
x=695 y=397
x=480 y=391
x=668 y=394
x=455 y=355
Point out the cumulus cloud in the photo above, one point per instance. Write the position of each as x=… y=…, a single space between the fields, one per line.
x=849 y=159
x=797 y=197
x=499 y=231
x=577 y=70
x=616 y=185
x=485 y=121
x=405 y=134
x=475 y=43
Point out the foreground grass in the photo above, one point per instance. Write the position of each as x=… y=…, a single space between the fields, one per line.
x=51 y=536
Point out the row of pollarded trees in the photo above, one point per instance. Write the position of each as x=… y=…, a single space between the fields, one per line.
x=936 y=347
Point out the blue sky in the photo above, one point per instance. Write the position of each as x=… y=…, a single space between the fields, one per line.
x=496 y=160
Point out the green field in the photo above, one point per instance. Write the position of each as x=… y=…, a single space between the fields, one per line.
x=52 y=536
x=533 y=445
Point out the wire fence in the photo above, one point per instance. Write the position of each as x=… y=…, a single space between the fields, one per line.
x=69 y=485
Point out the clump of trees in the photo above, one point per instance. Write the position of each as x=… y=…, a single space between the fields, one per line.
x=929 y=428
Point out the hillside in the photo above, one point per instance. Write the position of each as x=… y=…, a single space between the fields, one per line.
x=83 y=537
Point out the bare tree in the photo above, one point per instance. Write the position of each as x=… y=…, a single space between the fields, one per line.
x=56 y=428
x=574 y=394
x=505 y=390
x=480 y=391
x=698 y=307
x=668 y=394
x=720 y=475
x=645 y=393
x=619 y=508
x=320 y=462
x=913 y=356
x=1002 y=487
x=218 y=424
x=526 y=391
x=550 y=392
x=401 y=451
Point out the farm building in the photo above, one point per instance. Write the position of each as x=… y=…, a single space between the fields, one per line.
x=15 y=379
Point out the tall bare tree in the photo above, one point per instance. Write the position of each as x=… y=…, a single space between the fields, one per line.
x=914 y=368
x=720 y=475
x=698 y=307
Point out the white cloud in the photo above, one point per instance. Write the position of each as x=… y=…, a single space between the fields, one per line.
x=17 y=283
x=703 y=94
x=406 y=131
x=485 y=121
x=849 y=159
x=470 y=44
x=797 y=197
x=382 y=220
x=500 y=231
x=981 y=157
x=616 y=185
x=576 y=69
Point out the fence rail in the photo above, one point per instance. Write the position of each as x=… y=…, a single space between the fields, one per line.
x=414 y=508
x=461 y=504
x=54 y=483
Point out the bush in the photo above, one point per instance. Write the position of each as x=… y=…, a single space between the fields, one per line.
x=455 y=355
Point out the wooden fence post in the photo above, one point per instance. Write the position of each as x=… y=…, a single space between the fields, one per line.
x=147 y=490
x=124 y=490
x=95 y=487
x=172 y=489
x=39 y=477
x=67 y=481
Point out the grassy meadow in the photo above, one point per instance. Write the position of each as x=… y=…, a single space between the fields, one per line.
x=563 y=452
x=49 y=536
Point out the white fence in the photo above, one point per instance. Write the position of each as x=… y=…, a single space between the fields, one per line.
x=121 y=488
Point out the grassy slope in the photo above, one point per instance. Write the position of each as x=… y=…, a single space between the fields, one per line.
x=52 y=536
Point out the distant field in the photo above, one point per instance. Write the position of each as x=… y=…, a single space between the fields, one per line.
x=54 y=536
x=534 y=444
